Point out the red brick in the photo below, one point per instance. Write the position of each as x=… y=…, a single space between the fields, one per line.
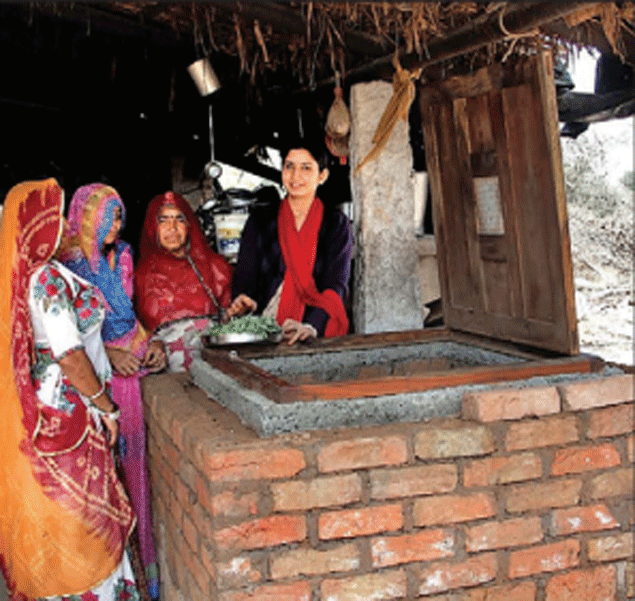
x=502 y=470
x=321 y=492
x=449 y=509
x=204 y=523
x=413 y=481
x=611 y=421
x=208 y=559
x=610 y=548
x=190 y=533
x=438 y=577
x=231 y=504
x=582 y=519
x=236 y=573
x=598 y=584
x=369 y=587
x=510 y=403
x=530 y=497
x=297 y=591
x=197 y=571
x=166 y=473
x=172 y=456
x=442 y=443
x=630 y=449
x=188 y=473
x=629 y=580
x=498 y=535
x=176 y=567
x=360 y=522
x=253 y=464
x=185 y=496
x=309 y=562
x=194 y=593
x=579 y=396
x=176 y=512
x=612 y=484
x=525 y=591
x=362 y=453
x=263 y=532
x=545 y=432
x=583 y=459
x=421 y=546
x=554 y=557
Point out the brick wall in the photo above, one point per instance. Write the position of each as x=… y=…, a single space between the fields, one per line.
x=527 y=497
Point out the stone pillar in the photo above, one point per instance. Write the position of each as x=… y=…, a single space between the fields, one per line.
x=387 y=286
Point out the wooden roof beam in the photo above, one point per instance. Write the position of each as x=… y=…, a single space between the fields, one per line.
x=473 y=36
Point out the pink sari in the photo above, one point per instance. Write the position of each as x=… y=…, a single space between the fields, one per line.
x=90 y=215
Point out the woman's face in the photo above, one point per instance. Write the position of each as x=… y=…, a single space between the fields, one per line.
x=111 y=236
x=172 y=230
x=301 y=174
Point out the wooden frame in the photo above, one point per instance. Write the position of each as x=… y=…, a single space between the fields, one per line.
x=235 y=362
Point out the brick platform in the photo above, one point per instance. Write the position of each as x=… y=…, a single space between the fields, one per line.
x=526 y=498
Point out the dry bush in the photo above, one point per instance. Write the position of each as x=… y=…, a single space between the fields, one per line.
x=600 y=211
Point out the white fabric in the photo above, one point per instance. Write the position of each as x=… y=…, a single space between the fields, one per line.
x=56 y=327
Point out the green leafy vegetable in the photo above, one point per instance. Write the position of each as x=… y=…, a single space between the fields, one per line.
x=247 y=324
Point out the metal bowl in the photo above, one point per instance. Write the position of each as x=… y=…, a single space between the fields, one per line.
x=240 y=338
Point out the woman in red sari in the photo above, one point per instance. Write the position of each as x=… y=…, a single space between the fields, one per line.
x=294 y=261
x=65 y=517
x=180 y=282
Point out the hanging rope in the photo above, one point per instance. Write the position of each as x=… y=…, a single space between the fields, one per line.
x=514 y=37
x=398 y=106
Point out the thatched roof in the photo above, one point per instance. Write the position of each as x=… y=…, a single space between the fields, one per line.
x=312 y=41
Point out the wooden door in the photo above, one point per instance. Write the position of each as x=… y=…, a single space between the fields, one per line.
x=495 y=168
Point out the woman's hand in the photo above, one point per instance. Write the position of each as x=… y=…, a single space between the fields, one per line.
x=293 y=330
x=240 y=305
x=123 y=362
x=112 y=425
x=154 y=359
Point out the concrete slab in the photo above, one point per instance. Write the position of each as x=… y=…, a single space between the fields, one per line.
x=269 y=418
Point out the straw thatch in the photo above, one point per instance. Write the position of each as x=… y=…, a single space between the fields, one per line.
x=314 y=40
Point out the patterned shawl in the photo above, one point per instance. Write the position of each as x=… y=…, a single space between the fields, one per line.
x=90 y=218
x=57 y=535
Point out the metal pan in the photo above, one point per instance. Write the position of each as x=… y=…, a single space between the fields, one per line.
x=240 y=338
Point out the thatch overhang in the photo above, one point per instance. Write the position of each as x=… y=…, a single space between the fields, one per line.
x=99 y=90
x=309 y=42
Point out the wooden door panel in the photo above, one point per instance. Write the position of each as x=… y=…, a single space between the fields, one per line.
x=505 y=267
x=458 y=216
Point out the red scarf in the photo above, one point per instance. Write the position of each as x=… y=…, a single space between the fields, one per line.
x=298 y=288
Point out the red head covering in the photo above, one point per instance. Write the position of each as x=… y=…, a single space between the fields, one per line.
x=166 y=287
x=65 y=517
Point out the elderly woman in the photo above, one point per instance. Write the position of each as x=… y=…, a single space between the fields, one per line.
x=65 y=516
x=180 y=282
x=96 y=216
x=294 y=262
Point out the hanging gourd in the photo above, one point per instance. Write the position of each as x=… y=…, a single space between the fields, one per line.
x=338 y=125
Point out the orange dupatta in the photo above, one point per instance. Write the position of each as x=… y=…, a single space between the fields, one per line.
x=46 y=548
x=298 y=287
